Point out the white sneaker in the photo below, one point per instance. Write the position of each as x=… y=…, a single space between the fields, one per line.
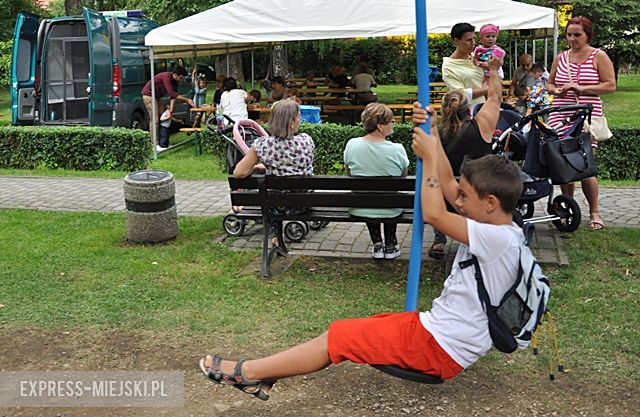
x=391 y=251
x=160 y=148
x=377 y=252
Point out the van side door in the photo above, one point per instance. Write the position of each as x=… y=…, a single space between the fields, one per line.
x=23 y=69
x=100 y=67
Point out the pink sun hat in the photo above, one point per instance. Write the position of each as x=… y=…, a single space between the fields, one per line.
x=489 y=28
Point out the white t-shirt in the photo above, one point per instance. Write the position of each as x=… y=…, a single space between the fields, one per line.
x=165 y=119
x=233 y=104
x=457 y=320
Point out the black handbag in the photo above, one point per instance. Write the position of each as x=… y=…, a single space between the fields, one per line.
x=570 y=159
x=535 y=163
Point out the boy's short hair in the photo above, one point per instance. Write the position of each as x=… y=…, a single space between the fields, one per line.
x=256 y=94
x=278 y=80
x=494 y=175
x=536 y=67
x=460 y=29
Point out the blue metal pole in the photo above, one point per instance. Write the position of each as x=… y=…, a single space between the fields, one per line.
x=415 y=257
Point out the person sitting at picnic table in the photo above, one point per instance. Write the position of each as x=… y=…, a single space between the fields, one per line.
x=285 y=151
x=337 y=77
x=372 y=155
x=253 y=104
x=363 y=80
x=234 y=100
x=278 y=91
x=219 y=89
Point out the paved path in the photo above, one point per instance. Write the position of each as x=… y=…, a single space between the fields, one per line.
x=619 y=207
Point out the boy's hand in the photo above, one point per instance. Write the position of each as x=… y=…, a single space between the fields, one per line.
x=494 y=63
x=420 y=115
x=425 y=146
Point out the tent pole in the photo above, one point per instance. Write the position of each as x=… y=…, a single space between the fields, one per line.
x=533 y=50
x=526 y=46
x=228 y=74
x=546 y=53
x=417 y=229
x=555 y=34
x=253 y=78
x=154 y=115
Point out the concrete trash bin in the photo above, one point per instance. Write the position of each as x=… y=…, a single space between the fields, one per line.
x=150 y=206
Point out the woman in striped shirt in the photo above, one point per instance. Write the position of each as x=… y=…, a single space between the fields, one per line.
x=580 y=75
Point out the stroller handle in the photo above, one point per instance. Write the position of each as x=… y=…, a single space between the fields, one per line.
x=587 y=109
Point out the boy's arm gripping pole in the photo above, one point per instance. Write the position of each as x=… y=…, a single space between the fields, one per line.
x=415 y=256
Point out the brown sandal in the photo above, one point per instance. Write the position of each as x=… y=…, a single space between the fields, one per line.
x=436 y=251
x=237 y=380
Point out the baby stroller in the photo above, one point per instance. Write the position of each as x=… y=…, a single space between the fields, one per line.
x=239 y=136
x=562 y=211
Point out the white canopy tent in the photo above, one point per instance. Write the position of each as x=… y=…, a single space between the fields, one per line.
x=243 y=24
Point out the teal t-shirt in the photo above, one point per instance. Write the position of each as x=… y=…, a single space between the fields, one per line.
x=375 y=159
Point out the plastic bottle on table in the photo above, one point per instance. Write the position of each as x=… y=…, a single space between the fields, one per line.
x=219 y=117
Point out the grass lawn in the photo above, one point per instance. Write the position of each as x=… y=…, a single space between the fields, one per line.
x=70 y=272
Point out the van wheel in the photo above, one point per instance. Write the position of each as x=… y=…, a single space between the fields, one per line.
x=137 y=121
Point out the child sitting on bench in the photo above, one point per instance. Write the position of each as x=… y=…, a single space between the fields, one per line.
x=454 y=333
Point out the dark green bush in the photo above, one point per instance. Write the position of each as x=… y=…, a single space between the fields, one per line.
x=618 y=158
x=79 y=148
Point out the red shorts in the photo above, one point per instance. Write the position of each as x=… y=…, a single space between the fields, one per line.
x=390 y=339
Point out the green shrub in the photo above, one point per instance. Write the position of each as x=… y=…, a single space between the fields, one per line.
x=79 y=148
x=5 y=63
x=618 y=158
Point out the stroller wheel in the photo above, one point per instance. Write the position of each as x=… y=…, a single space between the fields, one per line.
x=316 y=225
x=569 y=212
x=526 y=209
x=232 y=225
x=295 y=231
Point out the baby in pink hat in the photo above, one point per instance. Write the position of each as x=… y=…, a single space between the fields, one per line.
x=488 y=47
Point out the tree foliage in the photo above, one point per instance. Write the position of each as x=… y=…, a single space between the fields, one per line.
x=616 y=27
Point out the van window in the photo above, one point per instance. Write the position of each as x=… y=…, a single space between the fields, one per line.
x=23 y=64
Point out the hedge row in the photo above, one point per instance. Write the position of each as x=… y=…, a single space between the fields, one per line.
x=618 y=158
x=79 y=148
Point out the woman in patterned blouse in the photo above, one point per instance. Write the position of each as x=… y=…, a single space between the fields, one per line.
x=285 y=151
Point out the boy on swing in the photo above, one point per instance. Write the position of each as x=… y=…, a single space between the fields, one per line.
x=454 y=333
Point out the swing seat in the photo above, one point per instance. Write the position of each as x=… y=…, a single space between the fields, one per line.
x=409 y=374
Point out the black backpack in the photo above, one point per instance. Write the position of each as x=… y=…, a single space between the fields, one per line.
x=514 y=320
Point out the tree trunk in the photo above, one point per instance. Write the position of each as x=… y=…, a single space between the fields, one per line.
x=280 y=63
x=235 y=67
x=71 y=7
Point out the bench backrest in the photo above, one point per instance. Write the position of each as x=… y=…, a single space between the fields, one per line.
x=323 y=191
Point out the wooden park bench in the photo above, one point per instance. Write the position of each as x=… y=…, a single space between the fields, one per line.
x=315 y=199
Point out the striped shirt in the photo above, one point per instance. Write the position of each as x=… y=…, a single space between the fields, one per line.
x=583 y=74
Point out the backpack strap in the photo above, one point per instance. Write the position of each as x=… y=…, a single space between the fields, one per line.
x=482 y=291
